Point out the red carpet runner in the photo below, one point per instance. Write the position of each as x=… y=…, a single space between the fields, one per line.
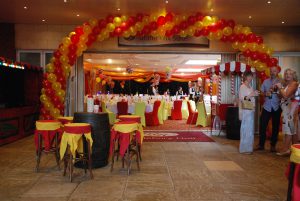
x=176 y=136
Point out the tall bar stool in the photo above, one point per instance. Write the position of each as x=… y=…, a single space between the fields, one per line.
x=72 y=147
x=47 y=132
x=126 y=135
x=294 y=174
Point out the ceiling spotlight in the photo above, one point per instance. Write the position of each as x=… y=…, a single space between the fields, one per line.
x=269 y=2
x=212 y=10
x=43 y=20
x=65 y=1
x=250 y=17
x=167 y=1
x=77 y=15
x=282 y=22
x=25 y=7
x=118 y=9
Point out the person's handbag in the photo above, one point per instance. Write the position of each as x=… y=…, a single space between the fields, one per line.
x=247 y=105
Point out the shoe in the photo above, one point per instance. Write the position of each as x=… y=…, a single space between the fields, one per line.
x=247 y=153
x=273 y=149
x=285 y=153
x=259 y=148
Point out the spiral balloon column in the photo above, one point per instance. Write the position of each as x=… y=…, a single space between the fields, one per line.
x=169 y=24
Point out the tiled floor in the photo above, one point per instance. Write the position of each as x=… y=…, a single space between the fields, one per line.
x=175 y=171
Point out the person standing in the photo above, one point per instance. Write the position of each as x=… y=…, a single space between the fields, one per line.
x=191 y=90
x=271 y=109
x=287 y=92
x=246 y=93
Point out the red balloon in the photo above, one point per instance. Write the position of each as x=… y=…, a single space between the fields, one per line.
x=46 y=84
x=49 y=92
x=139 y=17
x=213 y=28
x=169 y=33
x=110 y=18
x=231 y=23
x=60 y=79
x=175 y=29
x=169 y=17
x=131 y=21
x=124 y=26
x=161 y=20
x=57 y=54
x=96 y=30
x=232 y=38
x=55 y=100
x=79 y=30
x=272 y=62
x=199 y=16
x=254 y=55
x=264 y=57
x=247 y=53
x=251 y=38
x=279 y=68
x=48 y=117
x=259 y=40
x=43 y=111
x=146 y=30
x=197 y=33
x=102 y=23
x=241 y=37
x=205 y=32
x=72 y=49
x=222 y=23
x=153 y=25
x=191 y=20
x=75 y=38
x=183 y=25
x=225 y=38
x=58 y=71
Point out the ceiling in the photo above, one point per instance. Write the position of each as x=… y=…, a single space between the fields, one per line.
x=65 y=11
x=148 y=62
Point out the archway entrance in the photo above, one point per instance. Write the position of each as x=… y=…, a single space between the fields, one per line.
x=241 y=38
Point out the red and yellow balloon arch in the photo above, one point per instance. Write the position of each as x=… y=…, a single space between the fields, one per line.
x=57 y=71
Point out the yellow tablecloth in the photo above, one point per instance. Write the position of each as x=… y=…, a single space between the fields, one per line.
x=129 y=128
x=74 y=140
x=48 y=125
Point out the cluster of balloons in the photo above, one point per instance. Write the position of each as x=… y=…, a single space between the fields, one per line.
x=169 y=24
x=155 y=80
x=168 y=70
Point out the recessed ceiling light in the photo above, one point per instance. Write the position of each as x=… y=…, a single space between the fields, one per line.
x=250 y=17
x=269 y=2
x=188 y=70
x=118 y=9
x=109 y=61
x=43 y=20
x=119 y=69
x=167 y=1
x=182 y=73
x=282 y=22
x=212 y=10
x=124 y=73
x=77 y=15
x=25 y=7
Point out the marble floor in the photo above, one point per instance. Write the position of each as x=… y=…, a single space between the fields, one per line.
x=170 y=171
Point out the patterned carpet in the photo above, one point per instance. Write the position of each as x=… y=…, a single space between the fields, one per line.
x=176 y=125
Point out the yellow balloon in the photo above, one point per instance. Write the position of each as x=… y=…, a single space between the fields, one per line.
x=48 y=105
x=117 y=21
x=207 y=20
x=161 y=31
x=246 y=30
x=139 y=26
x=211 y=36
x=146 y=20
x=55 y=112
x=66 y=41
x=267 y=72
x=43 y=90
x=64 y=59
x=177 y=19
x=253 y=46
x=64 y=50
x=87 y=29
x=51 y=77
x=269 y=51
x=50 y=68
x=132 y=31
x=93 y=22
x=110 y=27
x=190 y=31
x=182 y=33
x=183 y=17
x=235 y=45
x=124 y=18
x=214 y=19
x=100 y=37
x=52 y=60
x=227 y=31
x=154 y=33
x=103 y=82
x=153 y=17
x=199 y=25
x=126 y=34
x=56 y=86
x=218 y=34
x=60 y=93
x=98 y=79
x=243 y=46
x=237 y=29
x=261 y=66
x=43 y=98
x=83 y=38
x=262 y=48
x=105 y=34
x=72 y=33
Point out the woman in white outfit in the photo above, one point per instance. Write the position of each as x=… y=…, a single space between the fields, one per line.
x=247 y=116
x=287 y=92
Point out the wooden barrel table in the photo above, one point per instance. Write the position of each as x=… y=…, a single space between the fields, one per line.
x=100 y=135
